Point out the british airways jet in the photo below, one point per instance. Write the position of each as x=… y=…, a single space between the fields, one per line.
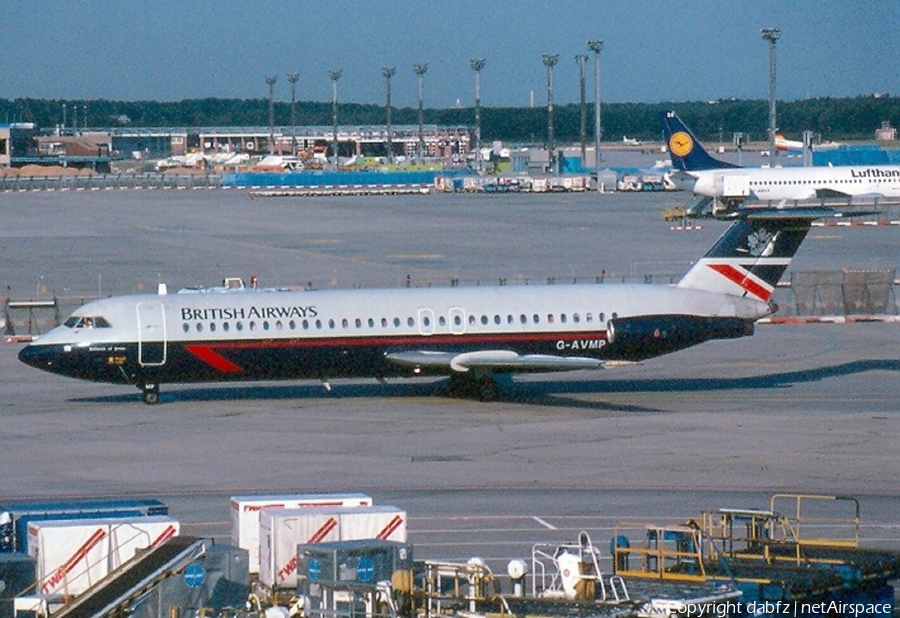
x=467 y=333
x=702 y=174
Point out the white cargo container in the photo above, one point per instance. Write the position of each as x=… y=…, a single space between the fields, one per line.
x=384 y=522
x=245 y=514
x=72 y=554
x=282 y=530
x=128 y=536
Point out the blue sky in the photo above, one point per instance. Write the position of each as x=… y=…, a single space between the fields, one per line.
x=654 y=50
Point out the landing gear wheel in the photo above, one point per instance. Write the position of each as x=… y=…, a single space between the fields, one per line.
x=151 y=393
x=488 y=389
x=484 y=388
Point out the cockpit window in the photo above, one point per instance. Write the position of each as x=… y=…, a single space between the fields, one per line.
x=88 y=321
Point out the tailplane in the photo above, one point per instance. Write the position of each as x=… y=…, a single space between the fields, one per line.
x=752 y=254
x=685 y=150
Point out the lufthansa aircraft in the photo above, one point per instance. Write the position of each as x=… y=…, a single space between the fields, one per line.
x=467 y=333
x=697 y=171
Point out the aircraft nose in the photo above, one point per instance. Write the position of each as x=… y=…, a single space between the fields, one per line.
x=36 y=356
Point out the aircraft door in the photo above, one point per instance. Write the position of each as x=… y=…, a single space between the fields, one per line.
x=426 y=322
x=457 y=319
x=151 y=339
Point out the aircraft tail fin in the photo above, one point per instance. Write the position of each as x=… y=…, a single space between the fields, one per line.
x=685 y=150
x=753 y=253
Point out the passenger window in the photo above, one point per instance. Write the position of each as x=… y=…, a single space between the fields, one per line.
x=384 y=322
x=457 y=321
x=589 y=317
x=305 y=324
x=239 y=326
x=265 y=325
x=252 y=325
x=199 y=327
x=292 y=325
x=396 y=322
x=601 y=316
x=412 y=322
x=279 y=325
x=212 y=327
x=484 y=319
x=562 y=318
x=185 y=327
x=345 y=323
x=371 y=323
x=425 y=320
x=330 y=323
x=523 y=319
x=442 y=321
x=358 y=323
x=576 y=318
x=319 y=324
x=496 y=319
x=472 y=320
x=549 y=318
x=225 y=326
x=536 y=318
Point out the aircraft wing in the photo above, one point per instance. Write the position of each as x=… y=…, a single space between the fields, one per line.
x=500 y=361
x=824 y=193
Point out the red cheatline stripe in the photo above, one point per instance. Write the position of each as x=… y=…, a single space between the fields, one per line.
x=740 y=277
x=167 y=534
x=322 y=532
x=425 y=340
x=390 y=528
x=213 y=359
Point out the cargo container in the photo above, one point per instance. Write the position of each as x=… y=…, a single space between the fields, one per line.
x=282 y=530
x=74 y=554
x=15 y=517
x=327 y=570
x=245 y=514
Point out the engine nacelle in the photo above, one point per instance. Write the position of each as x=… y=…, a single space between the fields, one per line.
x=646 y=336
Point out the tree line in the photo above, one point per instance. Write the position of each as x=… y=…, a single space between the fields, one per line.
x=849 y=118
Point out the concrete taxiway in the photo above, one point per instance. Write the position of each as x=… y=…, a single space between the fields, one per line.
x=809 y=408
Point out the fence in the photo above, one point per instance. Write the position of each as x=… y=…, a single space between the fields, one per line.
x=843 y=292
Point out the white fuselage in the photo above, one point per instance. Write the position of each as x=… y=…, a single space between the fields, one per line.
x=792 y=183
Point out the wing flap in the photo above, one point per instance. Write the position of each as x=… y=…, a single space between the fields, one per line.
x=492 y=360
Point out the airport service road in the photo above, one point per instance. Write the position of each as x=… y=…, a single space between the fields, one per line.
x=799 y=407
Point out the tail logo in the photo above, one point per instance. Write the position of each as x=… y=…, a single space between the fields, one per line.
x=681 y=144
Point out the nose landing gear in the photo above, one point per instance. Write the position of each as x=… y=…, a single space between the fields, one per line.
x=150 y=393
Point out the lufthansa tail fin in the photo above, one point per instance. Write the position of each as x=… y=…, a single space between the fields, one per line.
x=687 y=153
x=753 y=253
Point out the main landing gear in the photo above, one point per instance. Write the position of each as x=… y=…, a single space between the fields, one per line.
x=483 y=388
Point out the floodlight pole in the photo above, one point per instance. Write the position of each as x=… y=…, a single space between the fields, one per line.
x=271 y=81
x=388 y=73
x=581 y=59
x=596 y=46
x=477 y=64
x=771 y=35
x=292 y=78
x=550 y=61
x=419 y=70
x=334 y=75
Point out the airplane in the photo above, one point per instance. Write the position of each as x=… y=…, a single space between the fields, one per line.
x=235 y=333
x=702 y=174
x=631 y=141
x=784 y=144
